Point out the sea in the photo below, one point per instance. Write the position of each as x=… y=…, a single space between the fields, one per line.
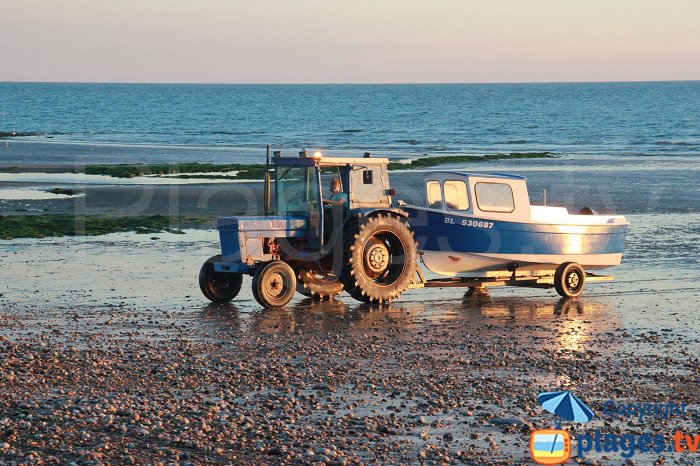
x=126 y=123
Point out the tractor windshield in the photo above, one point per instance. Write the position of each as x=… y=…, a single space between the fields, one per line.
x=297 y=189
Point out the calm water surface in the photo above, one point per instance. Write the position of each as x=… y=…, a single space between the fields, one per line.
x=612 y=119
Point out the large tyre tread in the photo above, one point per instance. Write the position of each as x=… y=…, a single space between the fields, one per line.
x=356 y=281
x=315 y=289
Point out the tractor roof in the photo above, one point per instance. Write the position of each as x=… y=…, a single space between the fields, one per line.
x=329 y=161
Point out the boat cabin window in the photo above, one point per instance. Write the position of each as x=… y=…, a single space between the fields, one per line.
x=434 y=194
x=494 y=197
x=456 y=195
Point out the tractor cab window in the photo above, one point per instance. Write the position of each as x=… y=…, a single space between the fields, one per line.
x=297 y=189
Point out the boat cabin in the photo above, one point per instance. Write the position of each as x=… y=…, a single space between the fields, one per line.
x=494 y=196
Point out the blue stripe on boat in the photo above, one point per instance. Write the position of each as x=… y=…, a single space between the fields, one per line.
x=433 y=234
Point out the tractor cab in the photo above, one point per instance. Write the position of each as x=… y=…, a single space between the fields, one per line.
x=303 y=188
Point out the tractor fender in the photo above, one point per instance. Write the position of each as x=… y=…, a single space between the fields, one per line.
x=359 y=215
x=362 y=213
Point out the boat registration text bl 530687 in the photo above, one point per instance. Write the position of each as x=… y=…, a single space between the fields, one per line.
x=470 y=223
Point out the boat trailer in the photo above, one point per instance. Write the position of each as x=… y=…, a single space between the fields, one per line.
x=479 y=285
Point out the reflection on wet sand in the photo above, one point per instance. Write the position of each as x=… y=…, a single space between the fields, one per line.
x=331 y=316
x=571 y=322
x=225 y=316
x=532 y=308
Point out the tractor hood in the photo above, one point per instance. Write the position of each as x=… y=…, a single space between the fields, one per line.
x=279 y=226
x=241 y=237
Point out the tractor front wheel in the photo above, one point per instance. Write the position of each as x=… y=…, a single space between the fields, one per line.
x=380 y=259
x=274 y=284
x=219 y=287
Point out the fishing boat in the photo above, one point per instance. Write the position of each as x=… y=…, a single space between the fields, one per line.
x=483 y=225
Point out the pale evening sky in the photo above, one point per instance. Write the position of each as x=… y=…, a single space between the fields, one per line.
x=339 y=41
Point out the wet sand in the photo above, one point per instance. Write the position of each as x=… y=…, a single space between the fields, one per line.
x=631 y=185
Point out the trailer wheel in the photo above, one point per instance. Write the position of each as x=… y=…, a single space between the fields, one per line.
x=317 y=285
x=380 y=259
x=274 y=284
x=569 y=279
x=218 y=287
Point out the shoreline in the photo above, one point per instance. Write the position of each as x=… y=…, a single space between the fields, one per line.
x=57 y=225
x=598 y=184
x=29 y=152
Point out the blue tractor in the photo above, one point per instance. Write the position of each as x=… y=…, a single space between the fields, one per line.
x=315 y=241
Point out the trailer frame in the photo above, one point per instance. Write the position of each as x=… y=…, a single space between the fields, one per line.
x=480 y=284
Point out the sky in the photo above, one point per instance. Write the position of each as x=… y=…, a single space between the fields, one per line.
x=339 y=41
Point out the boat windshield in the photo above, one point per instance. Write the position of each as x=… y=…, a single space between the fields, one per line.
x=297 y=190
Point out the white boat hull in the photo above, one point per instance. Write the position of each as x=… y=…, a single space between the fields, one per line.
x=457 y=264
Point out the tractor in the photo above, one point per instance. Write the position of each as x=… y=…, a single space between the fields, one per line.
x=315 y=242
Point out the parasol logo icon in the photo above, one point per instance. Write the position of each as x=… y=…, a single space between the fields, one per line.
x=553 y=446
x=565 y=405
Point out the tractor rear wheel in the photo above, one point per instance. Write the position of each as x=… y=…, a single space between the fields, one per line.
x=318 y=285
x=274 y=284
x=380 y=259
x=219 y=287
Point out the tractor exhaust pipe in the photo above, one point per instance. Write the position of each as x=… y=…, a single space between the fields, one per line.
x=266 y=195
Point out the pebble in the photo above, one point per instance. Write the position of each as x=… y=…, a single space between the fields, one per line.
x=509 y=421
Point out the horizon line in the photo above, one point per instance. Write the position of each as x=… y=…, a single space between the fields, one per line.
x=407 y=83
